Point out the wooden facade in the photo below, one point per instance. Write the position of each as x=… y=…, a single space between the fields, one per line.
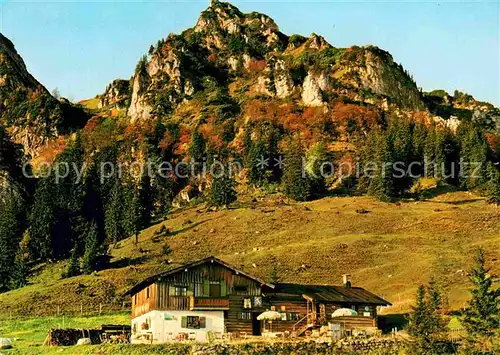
x=212 y=285
x=208 y=286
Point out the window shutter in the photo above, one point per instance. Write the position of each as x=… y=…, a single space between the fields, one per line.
x=203 y=322
x=206 y=289
x=184 y=322
x=223 y=289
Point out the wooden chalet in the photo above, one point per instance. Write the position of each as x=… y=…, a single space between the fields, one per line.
x=208 y=298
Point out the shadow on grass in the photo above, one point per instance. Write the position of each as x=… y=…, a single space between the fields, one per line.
x=187 y=228
x=124 y=262
x=387 y=322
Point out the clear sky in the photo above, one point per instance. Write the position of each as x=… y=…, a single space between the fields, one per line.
x=79 y=47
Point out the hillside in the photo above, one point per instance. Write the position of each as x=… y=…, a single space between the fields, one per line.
x=31 y=113
x=390 y=249
x=235 y=89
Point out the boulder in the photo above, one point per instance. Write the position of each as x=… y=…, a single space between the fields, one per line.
x=5 y=343
x=84 y=341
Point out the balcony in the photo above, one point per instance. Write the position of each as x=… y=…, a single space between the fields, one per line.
x=200 y=304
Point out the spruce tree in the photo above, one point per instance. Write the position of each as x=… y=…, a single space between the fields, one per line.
x=482 y=314
x=425 y=323
x=256 y=163
x=296 y=183
x=74 y=264
x=492 y=187
x=146 y=200
x=92 y=250
x=381 y=185
x=222 y=192
x=197 y=147
x=131 y=218
x=113 y=212
x=10 y=236
x=42 y=221
x=19 y=271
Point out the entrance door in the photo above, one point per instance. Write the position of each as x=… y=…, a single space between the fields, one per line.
x=256 y=325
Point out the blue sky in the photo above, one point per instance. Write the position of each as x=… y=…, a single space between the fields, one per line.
x=79 y=47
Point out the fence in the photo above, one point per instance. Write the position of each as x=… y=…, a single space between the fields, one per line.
x=58 y=311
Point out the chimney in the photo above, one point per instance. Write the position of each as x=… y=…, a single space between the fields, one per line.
x=346 y=280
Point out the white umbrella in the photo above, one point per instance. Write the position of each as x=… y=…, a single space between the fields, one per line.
x=269 y=315
x=344 y=312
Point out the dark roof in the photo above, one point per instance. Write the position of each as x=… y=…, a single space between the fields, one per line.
x=145 y=283
x=326 y=293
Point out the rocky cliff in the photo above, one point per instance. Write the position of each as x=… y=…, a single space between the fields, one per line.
x=226 y=45
x=27 y=109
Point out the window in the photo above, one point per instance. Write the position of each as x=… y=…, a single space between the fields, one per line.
x=193 y=322
x=135 y=299
x=215 y=290
x=257 y=301
x=147 y=292
x=244 y=315
x=180 y=291
x=247 y=303
x=210 y=289
x=240 y=288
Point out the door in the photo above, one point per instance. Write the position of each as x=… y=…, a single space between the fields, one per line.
x=256 y=324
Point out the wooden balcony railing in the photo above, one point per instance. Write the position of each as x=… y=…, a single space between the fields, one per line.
x=180 y=303
x=197 y=303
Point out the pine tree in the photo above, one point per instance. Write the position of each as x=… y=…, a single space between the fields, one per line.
x=10 y=236
x=131 y=218
x=146 y=200
x=482 y=314
x=222 y=192
x=92 y=250
x=19 y=271
x=197 y=147
x=473 y=154
x=42 y=221
x=492 y=187
x=296 y=183
x=425 y=323
x=256 y=163
x=316 y=156
x=113 y=213
x=74 y=264
x=381 y=185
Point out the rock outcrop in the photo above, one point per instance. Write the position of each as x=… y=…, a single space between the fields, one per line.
x=116 y=95
x=27 y=109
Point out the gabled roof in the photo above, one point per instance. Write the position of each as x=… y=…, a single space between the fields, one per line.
x=211 y=259
x=339 y=294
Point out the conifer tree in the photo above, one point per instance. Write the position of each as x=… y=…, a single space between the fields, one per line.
x=146 y=199
x=131 y=219
x=42 y=221
x=425 y=323
x=10 y=236
x=381 y=185
x=92 y=250
x=222 y=192
x=74 y=264
x=197 y=147
x=113 y=214
x=482 y=314
x=256 y=163
x=316 y=156
x=492 y=188
x=296 y=183
x=19 y=271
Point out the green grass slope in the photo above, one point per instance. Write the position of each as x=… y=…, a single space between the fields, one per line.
x=388 y=248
